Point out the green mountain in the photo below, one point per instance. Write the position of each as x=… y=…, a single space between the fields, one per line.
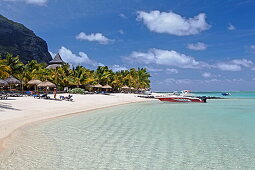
x=16 y=39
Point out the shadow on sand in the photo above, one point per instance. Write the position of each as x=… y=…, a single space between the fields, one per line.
x=6 y=106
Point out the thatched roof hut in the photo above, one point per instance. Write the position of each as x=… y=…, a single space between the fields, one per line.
x=56 y=62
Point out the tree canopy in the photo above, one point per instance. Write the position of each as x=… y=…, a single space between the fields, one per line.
x=78 y=76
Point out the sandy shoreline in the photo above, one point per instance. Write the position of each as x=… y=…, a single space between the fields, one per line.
x=20 y=111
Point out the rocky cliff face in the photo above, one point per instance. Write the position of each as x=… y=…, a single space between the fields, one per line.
x=16 y=39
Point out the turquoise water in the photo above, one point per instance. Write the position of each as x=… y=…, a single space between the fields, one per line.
x=241 y=95
x=219 y=134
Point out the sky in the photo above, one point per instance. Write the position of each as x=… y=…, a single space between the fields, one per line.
x=201 y=45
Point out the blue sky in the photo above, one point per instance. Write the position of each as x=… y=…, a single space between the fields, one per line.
x=201 y=45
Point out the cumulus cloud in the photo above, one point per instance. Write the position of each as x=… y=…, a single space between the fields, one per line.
x=197 y=46
x=116 y=68
x=231 y=27
x=121 y=31
x=228 y=67
x=122 y=15
x=171 y=71
x=172 y=23
x=33 y=2
x=207 y=75
x=151 y=69
x=234 y=65
x=76 y=59
x=97 y=37
x=252 y=47
x=164 y=57
x=243 y=62
x=194 y=81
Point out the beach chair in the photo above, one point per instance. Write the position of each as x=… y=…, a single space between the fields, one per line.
x=68 y=98
x=3 y=96
x=44 y=96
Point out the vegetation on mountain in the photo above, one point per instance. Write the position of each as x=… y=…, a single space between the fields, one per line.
x=19 y=40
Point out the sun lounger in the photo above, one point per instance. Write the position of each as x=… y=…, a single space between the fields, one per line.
x=68 y=98
x=42 y=96
x=3 y=96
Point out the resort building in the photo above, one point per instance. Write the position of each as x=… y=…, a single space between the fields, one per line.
x=56 y=62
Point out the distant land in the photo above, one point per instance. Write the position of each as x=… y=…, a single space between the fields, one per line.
x=17 y=39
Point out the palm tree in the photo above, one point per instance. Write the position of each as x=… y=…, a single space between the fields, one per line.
x=4 y=69
x=79 y=76
x=14 y=63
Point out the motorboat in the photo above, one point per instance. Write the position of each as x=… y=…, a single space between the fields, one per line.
x=225 y=94
x=182 y=97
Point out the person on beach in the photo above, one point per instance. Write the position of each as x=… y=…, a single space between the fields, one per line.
x=55 y=93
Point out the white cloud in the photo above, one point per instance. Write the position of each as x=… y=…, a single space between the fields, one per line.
x=243 y=62
x=252 y=47
x=97 y=37
x=253 y=79
x=151 y=69
x=172 y=23
x=116 y=68
x=197 y=46
x=52 y=54
x=33 y=2
x=207 y=75
x=121 y=31
x=234 y=65
x=122 y=15
x=164 y=57
x=171 y=71
x=76 y=59
x=231 y=27
x=228 y=67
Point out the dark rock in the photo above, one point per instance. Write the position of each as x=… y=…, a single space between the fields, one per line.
x=16 y=39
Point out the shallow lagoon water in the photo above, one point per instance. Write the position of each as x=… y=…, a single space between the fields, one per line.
x=152 y=135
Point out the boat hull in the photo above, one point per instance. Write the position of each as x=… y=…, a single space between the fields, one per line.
x=182 y=99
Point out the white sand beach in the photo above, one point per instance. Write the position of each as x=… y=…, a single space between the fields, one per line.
x=18 y=111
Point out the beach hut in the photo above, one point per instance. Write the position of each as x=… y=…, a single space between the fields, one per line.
x=34 y=82
x=56 y=62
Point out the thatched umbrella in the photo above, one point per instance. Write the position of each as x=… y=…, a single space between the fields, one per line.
x=12 y=81
x=34 y=82
x=46 y=84
x=125 y=87
x=132 y=89
x=107 y=87
x=3 y=83
x=98 y=86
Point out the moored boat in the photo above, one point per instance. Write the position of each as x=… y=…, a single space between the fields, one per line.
x=182 y=98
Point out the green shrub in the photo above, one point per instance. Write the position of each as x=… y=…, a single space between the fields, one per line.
x=77 y=91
